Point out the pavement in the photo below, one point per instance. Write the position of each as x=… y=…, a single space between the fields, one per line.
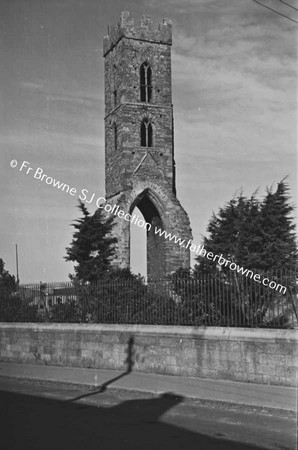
x=250 y=394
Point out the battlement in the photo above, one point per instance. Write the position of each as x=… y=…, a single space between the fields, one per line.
x=145 y=31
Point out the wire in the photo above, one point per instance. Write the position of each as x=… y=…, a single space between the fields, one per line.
x=271 y=9
x=290 y=6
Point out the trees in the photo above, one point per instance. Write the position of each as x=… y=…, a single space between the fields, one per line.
x=12 y=307
x=278 y=248
x=103 y=293
x=254 y=234
x=7 y=281
x=92 y=246
x=257 y=235
x=7 y=287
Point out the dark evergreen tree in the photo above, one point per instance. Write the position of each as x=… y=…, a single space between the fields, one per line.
x=92 y=247
x=252 y=233
x=278 y=249
x=259 y=236
x=7 y=281
x=12 y=307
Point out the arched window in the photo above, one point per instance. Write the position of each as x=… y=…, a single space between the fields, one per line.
x=149 y=135
x=146 y=82
x=115 y=136
x=115 y=99
x=146 y=133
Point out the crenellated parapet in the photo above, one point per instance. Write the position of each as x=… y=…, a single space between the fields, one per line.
x=144 y=31
x=139 y=144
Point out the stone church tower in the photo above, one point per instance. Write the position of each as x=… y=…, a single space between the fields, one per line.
x=139 y=141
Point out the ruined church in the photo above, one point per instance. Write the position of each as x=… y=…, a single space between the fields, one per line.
x=139 y=141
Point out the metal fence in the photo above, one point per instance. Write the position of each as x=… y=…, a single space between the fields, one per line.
x=216 y=299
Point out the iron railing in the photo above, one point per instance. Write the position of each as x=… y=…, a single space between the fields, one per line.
x=217 y=299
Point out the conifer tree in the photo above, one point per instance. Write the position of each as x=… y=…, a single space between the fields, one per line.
x=92 y=246
x=259 y=236
x=252 y=233
x=278 y=249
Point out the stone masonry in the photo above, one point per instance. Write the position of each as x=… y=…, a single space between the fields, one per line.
x=139 y=141
x=267 y=356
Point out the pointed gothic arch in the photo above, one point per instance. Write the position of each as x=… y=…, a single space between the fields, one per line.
x=146 y=133
x=151 y=208
x=146 y=82
x=148 y=203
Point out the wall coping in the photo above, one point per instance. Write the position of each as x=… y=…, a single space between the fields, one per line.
x=226 y=333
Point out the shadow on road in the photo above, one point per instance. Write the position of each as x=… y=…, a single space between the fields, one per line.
x=35 y=423
x=129 y=362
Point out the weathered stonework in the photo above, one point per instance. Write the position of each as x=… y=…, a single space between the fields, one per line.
x=235 y=354
x=137 y=174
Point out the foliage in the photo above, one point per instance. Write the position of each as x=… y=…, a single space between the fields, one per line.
x=12 y=307
x=222 y=299
x=119 y=297
x=252 y=233
x=188 y=298
x=70 y=312
x=124 y=298
x=7 y=281
x=190 y=302
x=256 y=235
x=92 y=246
x=278 y=247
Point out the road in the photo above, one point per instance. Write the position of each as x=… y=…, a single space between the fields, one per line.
x=53 y=416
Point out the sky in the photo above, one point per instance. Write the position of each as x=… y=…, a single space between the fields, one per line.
x=234 y=78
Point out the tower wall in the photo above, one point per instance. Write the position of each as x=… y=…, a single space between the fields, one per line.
x=137 y=174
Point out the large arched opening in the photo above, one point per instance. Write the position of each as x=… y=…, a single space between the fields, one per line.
x=138 y=246
x=147 y=247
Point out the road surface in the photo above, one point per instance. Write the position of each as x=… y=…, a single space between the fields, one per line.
x=52 y=416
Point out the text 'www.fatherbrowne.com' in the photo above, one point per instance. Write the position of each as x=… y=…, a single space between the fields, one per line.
x=201 y=251
x=101 y=203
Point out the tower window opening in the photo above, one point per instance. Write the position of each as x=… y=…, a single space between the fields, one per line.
x=115 y=136
x=146 y=134
x=146 y=82
x=114 y=85
x=149 y=135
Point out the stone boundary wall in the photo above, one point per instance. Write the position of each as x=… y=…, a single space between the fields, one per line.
x=240 y=354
